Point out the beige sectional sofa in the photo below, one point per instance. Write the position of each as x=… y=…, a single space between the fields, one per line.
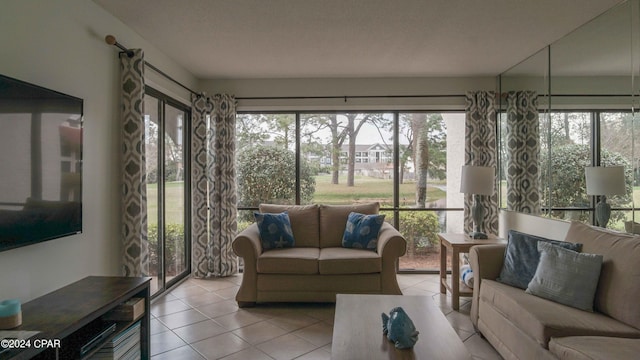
x=523 y=326
x=317 y=267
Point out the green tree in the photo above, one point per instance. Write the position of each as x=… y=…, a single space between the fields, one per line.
x=250 y=131
x=342 y=131
x=282 y=128
x=317 y=122
x=267 y=174
x=564 y=128
x=565 y=173
x=427 y=137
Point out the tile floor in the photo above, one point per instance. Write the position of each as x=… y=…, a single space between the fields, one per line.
x=200 y=320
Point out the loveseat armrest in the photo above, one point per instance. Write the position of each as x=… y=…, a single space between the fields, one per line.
x=247 y=243
x=391 y=246
x=486 y=263
x=390 y=241
x=248 y=246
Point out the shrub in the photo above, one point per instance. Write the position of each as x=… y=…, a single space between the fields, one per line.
x=419 y=228
x=267 y=174
x=173 y=252
x=565 y=173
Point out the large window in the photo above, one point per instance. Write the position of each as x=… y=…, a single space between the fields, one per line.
x=409 y=162
x=167 y=129
x=572 y=140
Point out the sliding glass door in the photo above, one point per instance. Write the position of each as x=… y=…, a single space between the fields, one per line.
x=167 y=124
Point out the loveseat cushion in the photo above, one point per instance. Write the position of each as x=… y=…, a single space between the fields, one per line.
x=338 y=260
x=595 y=347
x=289 y=261
x=304 y=222
x=543 y=319
x=619 y=285
x=333 y=220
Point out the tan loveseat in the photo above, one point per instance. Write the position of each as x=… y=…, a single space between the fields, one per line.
x=524 y=326
x=317 y=267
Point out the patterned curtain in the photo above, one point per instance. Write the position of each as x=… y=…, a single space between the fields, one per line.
x=134 y=193
x=213 y=185
x=481 y=150
x=523 y=150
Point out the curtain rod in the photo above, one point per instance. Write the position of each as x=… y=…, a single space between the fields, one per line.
x=345 y=97
x=111 y=40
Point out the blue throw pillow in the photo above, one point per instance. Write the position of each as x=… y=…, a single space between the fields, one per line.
x=362 y=231
x=275 y=230
x=522 y=256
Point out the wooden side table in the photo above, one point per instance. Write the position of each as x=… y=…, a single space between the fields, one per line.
x=457 y=243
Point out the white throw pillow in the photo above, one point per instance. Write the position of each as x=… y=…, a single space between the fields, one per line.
x=566 y=277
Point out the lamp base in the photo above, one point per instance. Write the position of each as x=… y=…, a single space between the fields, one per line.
x=478 y=235
x=603 y=212
x=477 y=213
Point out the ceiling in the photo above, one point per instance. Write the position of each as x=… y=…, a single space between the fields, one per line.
x=240 y=39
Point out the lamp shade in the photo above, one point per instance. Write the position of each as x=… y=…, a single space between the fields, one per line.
x=605 y=180
x=477 y=180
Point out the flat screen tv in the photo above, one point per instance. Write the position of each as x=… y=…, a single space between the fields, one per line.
x=40 y=164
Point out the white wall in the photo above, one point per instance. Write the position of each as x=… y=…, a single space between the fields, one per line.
x=455 y=160
x=60 y=45
x=531 y=224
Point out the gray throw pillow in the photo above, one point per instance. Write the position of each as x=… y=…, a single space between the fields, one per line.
x=522 y=256
x=566 y=277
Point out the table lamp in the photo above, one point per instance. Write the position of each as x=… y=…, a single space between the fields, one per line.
x=477 y=180
x=604 y=181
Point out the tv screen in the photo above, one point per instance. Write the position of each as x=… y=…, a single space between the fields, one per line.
x=40 y=164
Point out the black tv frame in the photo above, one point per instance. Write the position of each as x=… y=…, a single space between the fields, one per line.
x=36 y=219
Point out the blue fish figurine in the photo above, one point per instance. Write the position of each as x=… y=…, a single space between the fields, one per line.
x=399 y=328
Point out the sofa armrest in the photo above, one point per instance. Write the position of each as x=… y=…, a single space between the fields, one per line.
x=391 y=246
x=486 y=260
x=486 y=263
x=248 y=246
x=247 y=243
x=391 y=242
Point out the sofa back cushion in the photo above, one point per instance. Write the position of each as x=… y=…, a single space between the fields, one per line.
x=619 y=285
x=333 y=220
x=304 y=222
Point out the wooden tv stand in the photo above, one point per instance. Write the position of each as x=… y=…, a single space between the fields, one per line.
x=68 y=315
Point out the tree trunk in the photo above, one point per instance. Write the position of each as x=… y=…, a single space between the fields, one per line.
x=335 y=164
x=351 y=157
x=335 y=150
x=422 y=165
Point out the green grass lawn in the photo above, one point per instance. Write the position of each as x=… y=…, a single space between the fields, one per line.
x=174 y=194
x=365 y=189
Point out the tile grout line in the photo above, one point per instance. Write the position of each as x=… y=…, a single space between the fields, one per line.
x=319 y=316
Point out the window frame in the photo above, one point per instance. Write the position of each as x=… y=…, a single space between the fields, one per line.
x=396 y=209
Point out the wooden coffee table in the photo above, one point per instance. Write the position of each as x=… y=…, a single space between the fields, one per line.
x=357 y=329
